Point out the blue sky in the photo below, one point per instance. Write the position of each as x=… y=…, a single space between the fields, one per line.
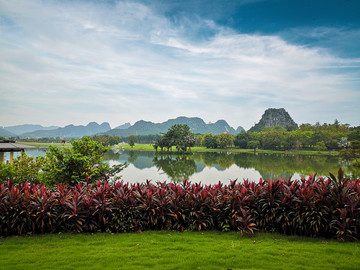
x=73 y=62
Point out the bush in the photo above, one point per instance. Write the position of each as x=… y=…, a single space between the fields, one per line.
x=312 y=207
x=81 y=162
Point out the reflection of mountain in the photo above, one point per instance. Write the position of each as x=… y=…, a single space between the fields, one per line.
x=218 y=167
x=199 y=166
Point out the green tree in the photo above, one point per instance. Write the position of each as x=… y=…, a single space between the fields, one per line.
x=189 y=140
x=253 y=144
x=272 y=140
x=209 y=141
x=82 y=162
x=179 y=136
x=242 y=139
x=24 y=168
x=353 y=152
x=106 y=140
x=320 y=146
x=225 y=140
x=198 y=140
x=132 y=139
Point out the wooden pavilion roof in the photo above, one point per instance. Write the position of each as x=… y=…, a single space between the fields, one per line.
x=12 y=146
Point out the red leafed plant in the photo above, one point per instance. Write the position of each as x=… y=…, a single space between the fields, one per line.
x=313 y=206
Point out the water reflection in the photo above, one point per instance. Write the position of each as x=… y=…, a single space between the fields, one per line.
x=226 y=166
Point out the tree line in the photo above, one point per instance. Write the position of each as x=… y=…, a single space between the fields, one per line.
x=316 y=137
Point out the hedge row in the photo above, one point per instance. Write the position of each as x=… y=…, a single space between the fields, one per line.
x=328 y=207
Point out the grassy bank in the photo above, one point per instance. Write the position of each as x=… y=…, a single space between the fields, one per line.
x=149 y=147
x=36 y=144
x=174 y=250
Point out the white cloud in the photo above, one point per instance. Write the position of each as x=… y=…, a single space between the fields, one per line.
x=125 y=63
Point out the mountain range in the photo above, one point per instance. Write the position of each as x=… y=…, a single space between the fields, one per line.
x=196 y=124
x=69 y=131
x=271 y=117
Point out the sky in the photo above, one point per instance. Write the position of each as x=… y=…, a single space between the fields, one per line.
x=76 y=61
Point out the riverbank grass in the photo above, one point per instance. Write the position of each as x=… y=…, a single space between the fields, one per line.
x=38 y=144
x=174 y=250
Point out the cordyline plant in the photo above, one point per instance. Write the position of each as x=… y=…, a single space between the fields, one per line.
x=327 y=207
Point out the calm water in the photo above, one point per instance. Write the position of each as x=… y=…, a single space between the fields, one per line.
x=210 y=168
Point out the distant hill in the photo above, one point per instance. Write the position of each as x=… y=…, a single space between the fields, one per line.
x=239 y=129
x=274 y=117
x=197 y=125
x=71 y=131
x=20 y=129
x=5 y=133
x=124 y=126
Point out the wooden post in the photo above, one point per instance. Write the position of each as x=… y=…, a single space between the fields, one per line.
x=1 y=157
x=11 y=157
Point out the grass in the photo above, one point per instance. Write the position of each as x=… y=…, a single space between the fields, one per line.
x=37 y=144
x=149 y=147
x=174 y=250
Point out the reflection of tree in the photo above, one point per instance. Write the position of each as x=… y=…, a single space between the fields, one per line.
x=182 y=167
x=270 y=166
x=209 y=159
x=110 y=155
x=132 y=157
x=225 y=160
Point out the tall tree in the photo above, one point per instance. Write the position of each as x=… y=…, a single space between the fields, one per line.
x=132 y=139
x=180 y=136
x=225 y=140
x=209 y=141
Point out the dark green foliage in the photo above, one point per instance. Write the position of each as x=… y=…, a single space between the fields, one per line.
x=209 y=141
x=241 y=140
x=353 y=152
x=309 y=137
x=177 y=135
x=224 y=140
x=311 y=207
x=81 y=162
x=106 y=140
x=24 y=168
x=132 y=140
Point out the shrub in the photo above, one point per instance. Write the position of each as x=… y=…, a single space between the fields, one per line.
x=312 y=207
x=81 y=162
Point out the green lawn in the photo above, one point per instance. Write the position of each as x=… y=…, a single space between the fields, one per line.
x=149 y=147
x=37 y=144
x=174 y=250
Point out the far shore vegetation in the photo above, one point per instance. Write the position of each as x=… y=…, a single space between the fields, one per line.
x=202 y=149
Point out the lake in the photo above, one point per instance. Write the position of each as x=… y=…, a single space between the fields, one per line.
x=210 y=168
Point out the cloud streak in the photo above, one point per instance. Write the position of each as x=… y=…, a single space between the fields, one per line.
x=78 y=62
